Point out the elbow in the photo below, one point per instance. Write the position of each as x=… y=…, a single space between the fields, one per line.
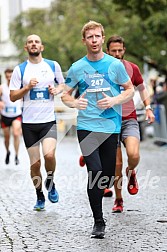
x=12 y=98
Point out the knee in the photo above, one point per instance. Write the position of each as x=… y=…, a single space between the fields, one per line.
x=49 y=157
x=135 y=157
x=16 y=134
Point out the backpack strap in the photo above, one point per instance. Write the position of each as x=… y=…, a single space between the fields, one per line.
x=52 y=66
x=22 y=67
x=50 y=63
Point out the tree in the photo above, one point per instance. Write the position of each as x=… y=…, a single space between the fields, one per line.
x=150 y=29
x=142 y=23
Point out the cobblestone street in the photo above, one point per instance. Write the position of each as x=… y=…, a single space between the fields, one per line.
x=67 y=225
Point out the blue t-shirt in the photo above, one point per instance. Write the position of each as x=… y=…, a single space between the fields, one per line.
x=94 y=77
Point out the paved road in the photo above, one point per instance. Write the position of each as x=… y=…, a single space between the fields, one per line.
x=66 y=226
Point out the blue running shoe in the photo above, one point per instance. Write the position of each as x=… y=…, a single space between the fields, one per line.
x=40 y=205
x=53 y=195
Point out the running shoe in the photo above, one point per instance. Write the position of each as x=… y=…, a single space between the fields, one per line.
x=118 y=206
x=98 y=229
x=16 y=160
x=40 y=205
x=53 y=195
x=7 y=157
x=107 y=192
x=81 y=161
x=132 y=183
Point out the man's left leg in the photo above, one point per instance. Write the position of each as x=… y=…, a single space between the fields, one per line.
x=49 y=148
x=132 y=149
x=16 y=128
x=6 y=133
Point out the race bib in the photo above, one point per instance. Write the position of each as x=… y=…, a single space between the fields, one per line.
x=39 y=94
x=97 y=82
x=10 y=109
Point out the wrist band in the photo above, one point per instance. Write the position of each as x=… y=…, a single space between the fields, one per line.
x=148 y=107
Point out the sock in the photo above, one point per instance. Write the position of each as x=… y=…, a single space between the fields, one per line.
x=49 y=181
x=40 y=195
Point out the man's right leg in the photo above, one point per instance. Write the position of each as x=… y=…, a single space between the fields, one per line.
x=118 y=204
x=35 y=162
x=31 y=139
x=6 y=133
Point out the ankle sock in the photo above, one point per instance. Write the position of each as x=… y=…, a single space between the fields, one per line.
x=49 y=181
x=40 y=195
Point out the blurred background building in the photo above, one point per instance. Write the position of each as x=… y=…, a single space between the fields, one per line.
x=9 y=9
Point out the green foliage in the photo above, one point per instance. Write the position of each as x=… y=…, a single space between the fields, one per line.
x=142 y=23
x=142 y=8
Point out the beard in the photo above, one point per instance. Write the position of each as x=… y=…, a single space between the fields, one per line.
x=34 y=54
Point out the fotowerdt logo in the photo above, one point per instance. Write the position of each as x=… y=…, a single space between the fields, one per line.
x=21 y=181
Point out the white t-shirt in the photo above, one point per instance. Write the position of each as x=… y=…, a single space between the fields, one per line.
x=11 y=109
x=38 y=103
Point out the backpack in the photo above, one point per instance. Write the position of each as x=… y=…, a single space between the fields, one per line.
x=22 y=67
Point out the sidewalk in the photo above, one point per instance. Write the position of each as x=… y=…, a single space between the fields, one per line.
x=66 y=225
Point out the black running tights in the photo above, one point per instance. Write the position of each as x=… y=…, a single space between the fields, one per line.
x=99 y=151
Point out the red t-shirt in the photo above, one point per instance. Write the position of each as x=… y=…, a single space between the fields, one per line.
x=128 y=109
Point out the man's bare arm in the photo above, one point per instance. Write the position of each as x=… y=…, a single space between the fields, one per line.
x=67 y=98
x=19 y=93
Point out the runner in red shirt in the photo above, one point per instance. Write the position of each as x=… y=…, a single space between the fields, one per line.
x=130 y=135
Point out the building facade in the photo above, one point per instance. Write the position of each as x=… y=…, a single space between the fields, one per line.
x=9 y=9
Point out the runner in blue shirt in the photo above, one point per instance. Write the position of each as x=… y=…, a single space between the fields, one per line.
x=98 y=78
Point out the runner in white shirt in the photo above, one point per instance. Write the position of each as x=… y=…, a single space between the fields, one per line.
x=10 y=118
x=35 y=83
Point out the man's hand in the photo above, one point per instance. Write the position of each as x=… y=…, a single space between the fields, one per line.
x=81 y=103
x=52 y=90
x=150 y=116
x=33 y=82
x=106 y=102
x=56 y=90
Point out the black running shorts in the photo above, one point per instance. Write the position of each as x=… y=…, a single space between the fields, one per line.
x=34 y=133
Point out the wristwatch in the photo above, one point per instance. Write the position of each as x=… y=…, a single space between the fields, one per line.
x=148 y=107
